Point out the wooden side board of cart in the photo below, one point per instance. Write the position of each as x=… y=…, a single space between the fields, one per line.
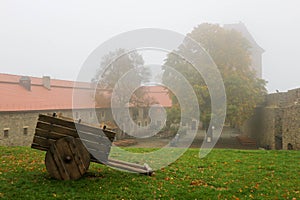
x=68 y=156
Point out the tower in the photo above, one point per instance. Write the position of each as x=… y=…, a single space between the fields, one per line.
x=255 y=49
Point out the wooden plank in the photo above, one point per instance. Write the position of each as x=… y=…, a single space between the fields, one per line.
x=55 y=136
x=100 y=147
x=69 y=124
x=58 y=129
x=90 y=129
x=49 y=135
x=93 y=137
x=54 y=120
x=38 y=147
x=43 y=142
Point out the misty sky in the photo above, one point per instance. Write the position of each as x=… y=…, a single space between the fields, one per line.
x=55 y=37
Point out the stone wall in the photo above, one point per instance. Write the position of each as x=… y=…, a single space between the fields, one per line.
x=276 y=100
x=276 y=124
x=12 y=127
x=265 y=127
x=293 y=97
x=17 y=128
x=291 y=127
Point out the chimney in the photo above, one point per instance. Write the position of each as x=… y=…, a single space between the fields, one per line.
x=46 y=82
x=25 y=81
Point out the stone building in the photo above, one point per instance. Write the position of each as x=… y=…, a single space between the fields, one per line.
x=256 y=50
x=276 y=123
x=23 y=98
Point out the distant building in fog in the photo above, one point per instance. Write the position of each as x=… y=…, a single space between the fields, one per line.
x=256 y=50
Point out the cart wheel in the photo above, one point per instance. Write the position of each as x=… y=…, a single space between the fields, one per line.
x=67 y=159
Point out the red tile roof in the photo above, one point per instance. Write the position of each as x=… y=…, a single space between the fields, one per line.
x=159 y=95
x=14 y=97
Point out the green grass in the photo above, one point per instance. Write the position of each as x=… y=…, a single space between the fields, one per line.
x=223 y=174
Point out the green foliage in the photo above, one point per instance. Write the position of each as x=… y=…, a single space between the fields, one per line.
x=223 y=174
x=114 y=66
x=230 y=52
x=173 y=115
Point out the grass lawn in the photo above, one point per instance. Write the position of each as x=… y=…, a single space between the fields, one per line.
x=223 y=174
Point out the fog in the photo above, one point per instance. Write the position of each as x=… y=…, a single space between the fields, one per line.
x=55 y=37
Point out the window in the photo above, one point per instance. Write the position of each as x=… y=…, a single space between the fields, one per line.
x=146 y=123
x=6 y=132
x=139 y=123
x=25 y=130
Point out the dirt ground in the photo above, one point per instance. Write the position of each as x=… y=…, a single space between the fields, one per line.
x=226 y=140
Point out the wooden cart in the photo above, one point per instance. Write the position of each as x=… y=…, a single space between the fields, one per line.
x=68 y=156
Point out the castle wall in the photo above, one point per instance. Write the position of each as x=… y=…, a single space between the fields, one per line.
x=276 y=124
x=276 y=100
x=265 y=127
x=291 y=128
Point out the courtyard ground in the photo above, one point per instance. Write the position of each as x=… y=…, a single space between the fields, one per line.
x=227 y=140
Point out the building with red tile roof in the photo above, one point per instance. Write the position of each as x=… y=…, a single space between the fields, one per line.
x=23 y=98
x=46 y=94
x=41 y=93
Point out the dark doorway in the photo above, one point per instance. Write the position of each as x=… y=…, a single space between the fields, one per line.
x=278 y=142
x=290 y=146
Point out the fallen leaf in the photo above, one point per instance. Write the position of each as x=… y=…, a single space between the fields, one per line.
x=198 y=183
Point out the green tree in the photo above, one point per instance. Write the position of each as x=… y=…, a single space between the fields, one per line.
x=113 y=67
x=230 y=52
